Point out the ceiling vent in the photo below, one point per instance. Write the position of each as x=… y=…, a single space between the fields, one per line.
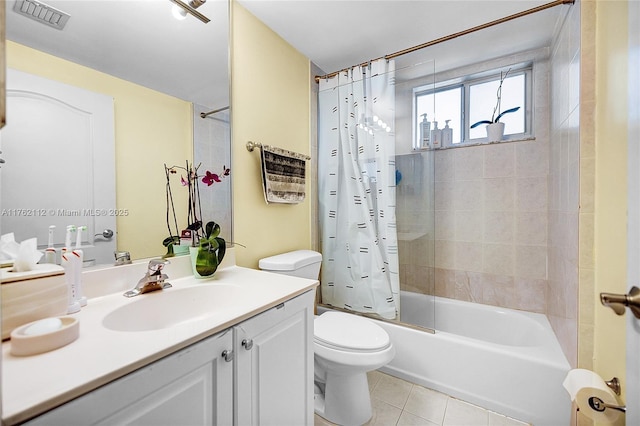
x=42 y=13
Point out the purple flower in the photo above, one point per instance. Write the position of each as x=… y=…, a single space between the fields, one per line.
x=209 y=178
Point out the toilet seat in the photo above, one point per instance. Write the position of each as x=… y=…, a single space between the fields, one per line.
x=350 y=333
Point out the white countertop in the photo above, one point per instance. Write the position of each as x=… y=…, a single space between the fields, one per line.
x=34 y=384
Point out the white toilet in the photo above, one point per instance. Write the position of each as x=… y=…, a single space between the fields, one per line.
x=346 y=347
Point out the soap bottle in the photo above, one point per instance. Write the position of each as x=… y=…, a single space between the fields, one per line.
x=425 y=131
x=68 y=261
x=436 y=136
x=447 y=135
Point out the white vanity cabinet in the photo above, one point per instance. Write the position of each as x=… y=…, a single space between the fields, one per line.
x=274 y=366
x=258 y=372
x=190 y=387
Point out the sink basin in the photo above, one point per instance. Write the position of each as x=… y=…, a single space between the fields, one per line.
x=172 y=307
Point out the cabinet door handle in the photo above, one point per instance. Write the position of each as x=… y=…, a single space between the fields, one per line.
x=227 y=355
x=247 y=343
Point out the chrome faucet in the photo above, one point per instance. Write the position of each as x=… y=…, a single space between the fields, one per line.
x=153 y=280
x=122 y=258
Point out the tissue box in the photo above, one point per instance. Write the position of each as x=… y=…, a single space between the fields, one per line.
x=32 y=295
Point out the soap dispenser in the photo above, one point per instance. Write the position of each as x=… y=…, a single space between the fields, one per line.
x=425 y=131
x=436 y=136
x=447 y=135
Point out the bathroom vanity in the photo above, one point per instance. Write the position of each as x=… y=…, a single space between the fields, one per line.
x=249 y=360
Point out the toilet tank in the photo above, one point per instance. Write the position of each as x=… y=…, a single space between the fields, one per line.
x=299 y=263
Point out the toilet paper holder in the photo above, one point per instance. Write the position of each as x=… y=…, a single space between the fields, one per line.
x=599 y=405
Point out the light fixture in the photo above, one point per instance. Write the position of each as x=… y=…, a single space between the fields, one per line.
x=180 y=9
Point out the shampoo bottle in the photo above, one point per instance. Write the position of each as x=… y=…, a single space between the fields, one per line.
x=436 y=136
x=77 y=273
x=447 y=135
x=68 y=261
x=425 y=131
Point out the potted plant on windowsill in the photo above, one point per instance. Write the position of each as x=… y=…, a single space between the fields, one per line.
x=495 y=128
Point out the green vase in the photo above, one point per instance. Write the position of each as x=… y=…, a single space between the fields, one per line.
x=204 y=263
x=193 y=252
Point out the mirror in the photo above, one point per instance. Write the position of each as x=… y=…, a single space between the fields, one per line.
x=161 y=74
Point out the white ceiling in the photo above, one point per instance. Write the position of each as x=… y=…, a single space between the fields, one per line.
x=338 y=34
x=140 y=41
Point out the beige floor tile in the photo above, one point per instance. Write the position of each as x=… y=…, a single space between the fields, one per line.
x=396 y=402
x=426 y=403
x=373 y=377
x=384 y=414
x=408 y=419
x=461 y=413
x=392 y=390
x=319 y=421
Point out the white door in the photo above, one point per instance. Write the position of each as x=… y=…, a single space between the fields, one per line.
x=633 y=229
x=59 y=149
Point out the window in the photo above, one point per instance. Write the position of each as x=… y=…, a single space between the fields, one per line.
x=462 y=104
x=482 y=101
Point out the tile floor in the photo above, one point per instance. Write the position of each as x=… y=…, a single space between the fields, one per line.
x=398 y=402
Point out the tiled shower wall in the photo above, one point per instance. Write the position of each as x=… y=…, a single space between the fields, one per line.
x=506 y=215
x=491 y=224
x=212 y=149
x=564 y=186
x=490 y=207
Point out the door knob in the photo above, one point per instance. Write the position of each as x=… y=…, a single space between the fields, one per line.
x=106 y=234
x=618 y=302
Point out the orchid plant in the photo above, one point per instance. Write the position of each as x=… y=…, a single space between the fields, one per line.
x=496 y=110
x=190 y=179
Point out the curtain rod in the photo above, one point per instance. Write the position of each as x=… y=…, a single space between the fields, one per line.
x=458 y=34
x=205 y=114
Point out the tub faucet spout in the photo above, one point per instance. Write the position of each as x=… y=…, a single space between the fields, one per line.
x=153 y=280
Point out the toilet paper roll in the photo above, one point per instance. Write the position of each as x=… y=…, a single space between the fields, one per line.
x=583 y=384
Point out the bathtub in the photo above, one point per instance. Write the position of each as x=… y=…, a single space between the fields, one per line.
x=503 y=360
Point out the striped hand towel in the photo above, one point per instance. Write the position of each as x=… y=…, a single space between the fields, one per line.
x=283 y=175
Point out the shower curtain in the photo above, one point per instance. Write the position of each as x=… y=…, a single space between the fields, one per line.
x=357 y=183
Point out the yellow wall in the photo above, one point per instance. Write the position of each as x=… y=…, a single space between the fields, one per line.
x=610 y=242
x=151 y=128
x=270 y=95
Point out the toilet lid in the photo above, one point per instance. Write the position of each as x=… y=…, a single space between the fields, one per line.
x=349 y=332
